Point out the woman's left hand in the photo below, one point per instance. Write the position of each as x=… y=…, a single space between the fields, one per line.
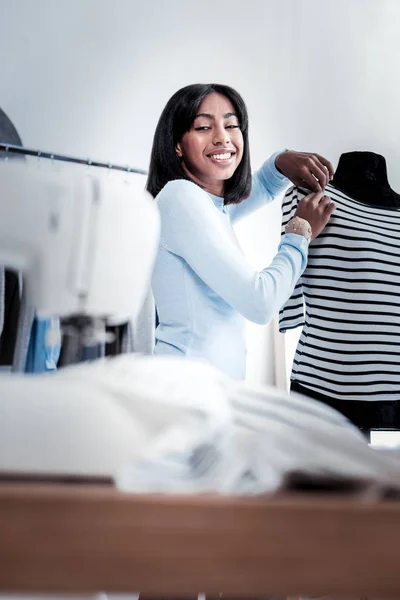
x=305 y=169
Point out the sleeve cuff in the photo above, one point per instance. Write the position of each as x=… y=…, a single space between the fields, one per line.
x=299 y=242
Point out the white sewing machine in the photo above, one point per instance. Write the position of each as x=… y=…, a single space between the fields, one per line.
x=85 y=243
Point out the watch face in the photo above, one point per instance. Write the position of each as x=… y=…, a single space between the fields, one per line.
x=299 y=226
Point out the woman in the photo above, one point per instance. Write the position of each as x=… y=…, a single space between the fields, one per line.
x=204 y=288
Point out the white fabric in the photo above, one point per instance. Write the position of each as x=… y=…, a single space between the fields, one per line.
x=164 y=424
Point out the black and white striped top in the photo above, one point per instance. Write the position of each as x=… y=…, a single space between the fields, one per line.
x=348 y=302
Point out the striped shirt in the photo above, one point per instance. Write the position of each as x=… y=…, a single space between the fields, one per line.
x=348 y=303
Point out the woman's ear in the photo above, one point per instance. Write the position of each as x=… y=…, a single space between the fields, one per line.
x=178 y=150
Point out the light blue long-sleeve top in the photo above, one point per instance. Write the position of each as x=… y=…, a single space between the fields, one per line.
x=204 y=287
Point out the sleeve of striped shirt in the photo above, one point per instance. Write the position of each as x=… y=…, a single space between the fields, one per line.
x=292 y=314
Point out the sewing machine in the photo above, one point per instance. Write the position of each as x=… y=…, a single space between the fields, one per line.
x=84 y=242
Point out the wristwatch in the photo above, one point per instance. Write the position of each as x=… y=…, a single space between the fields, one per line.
x=300 y=227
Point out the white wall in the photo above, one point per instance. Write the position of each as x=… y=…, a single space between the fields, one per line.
x=90 y=77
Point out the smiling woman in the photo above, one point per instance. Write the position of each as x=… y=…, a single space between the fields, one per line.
x=212 y=149
x=200 y=174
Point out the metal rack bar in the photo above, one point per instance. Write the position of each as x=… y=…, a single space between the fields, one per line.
x=66 y=158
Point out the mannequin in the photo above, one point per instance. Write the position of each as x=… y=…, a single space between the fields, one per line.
x=348 y=355
x=363 y=176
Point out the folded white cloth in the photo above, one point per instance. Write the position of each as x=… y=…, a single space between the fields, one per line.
x=165 y=424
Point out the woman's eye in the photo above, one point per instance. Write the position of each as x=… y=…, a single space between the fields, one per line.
x=202 y=128
x=232 y=126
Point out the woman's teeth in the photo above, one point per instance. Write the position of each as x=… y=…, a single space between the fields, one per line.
x=222 y=156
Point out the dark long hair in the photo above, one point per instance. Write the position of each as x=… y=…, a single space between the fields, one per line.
x=176 y=119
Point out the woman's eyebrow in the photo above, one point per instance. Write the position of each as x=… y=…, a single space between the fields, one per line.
x=204 y=115
x=208 y=116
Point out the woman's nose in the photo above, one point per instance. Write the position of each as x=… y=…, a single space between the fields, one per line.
x=221 y=136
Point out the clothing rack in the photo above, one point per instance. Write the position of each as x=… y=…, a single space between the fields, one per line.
x=65 y=158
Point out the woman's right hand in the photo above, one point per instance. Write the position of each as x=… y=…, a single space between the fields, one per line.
x=316 y=209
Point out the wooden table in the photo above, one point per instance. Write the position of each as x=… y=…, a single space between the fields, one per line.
x=69 y=538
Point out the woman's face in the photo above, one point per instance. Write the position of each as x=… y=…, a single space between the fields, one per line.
x=213 y=148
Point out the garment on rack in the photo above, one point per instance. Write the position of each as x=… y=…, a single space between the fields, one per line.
x=44 y=346
x=9 y=314
x=25 y=323
x=348 y=303
x=9 y=281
